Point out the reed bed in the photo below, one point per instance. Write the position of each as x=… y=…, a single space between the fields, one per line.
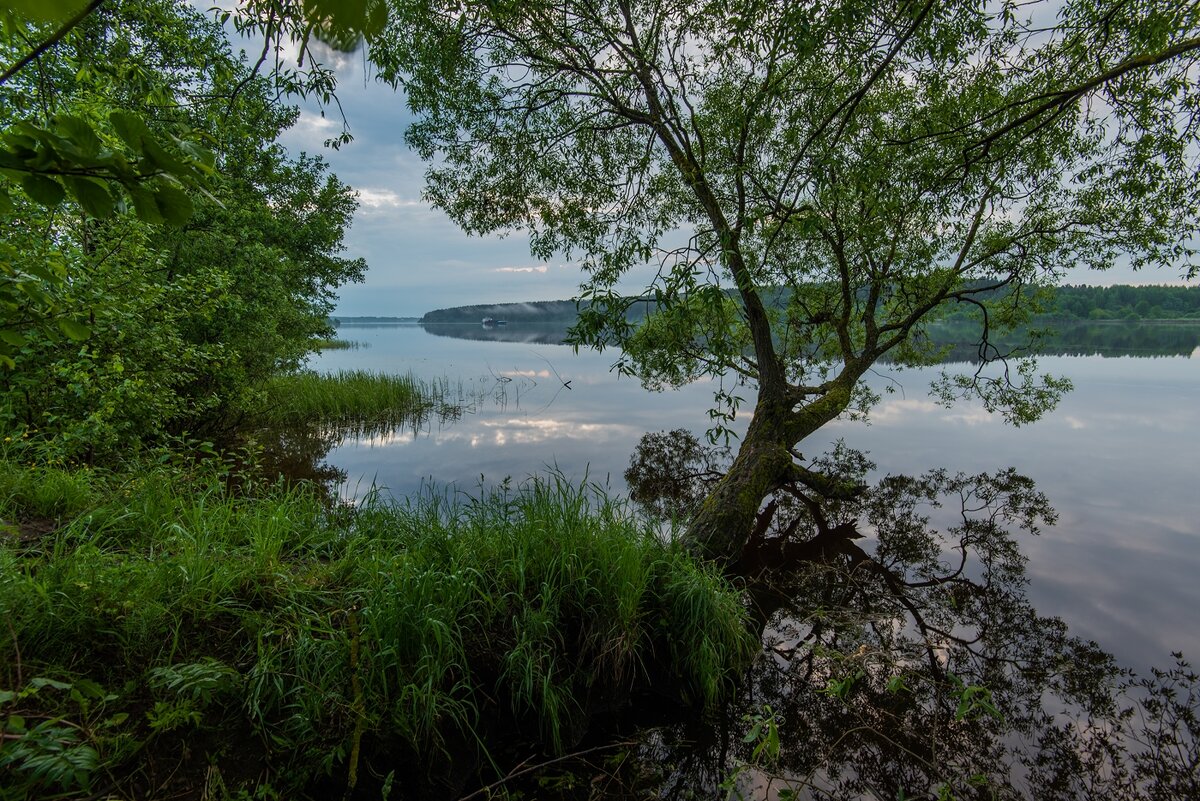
x=351 y=397
x=338 y=344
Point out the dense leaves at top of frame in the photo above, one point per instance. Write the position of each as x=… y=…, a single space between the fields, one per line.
x=69 y=157
x=55 y=11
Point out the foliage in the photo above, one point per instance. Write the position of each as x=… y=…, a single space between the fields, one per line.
x=873 y=163
x=44 y=10
x=120 y=329
x=70 y=157
x=1117 y=302
x=397 y=636
x=541 y=311
x=104 y=159
x=58 y=751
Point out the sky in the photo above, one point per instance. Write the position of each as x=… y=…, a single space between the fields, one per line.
x=418 y=260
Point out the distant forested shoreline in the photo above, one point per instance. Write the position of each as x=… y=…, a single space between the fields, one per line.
x=1117 y=302
x=542 y=311
x=1074 y=302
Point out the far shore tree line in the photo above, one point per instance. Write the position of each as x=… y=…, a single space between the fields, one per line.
x=1068 y=302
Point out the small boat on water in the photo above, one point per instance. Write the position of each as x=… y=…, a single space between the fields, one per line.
x=490 y=322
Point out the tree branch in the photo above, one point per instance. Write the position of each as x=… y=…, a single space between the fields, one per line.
x=54 y=39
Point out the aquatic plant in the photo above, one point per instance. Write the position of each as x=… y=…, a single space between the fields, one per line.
x=350 y=398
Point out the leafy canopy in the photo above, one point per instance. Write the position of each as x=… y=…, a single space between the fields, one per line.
x=838 y=169
x=161 y=304
x=802 y=188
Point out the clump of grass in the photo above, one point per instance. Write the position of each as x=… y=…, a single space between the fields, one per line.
x=338 y=344
x=346 y=398
x=43 y=492
x=411 y=628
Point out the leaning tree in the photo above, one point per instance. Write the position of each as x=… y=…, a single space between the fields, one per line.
x=806 y=186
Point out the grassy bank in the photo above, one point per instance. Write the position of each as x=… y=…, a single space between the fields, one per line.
x=165 y=637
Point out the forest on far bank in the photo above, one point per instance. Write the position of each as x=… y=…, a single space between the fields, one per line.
x=1072 y=302
x=1116 y=302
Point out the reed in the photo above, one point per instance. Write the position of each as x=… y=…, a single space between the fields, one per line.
x=346 y=398
x=337 y=344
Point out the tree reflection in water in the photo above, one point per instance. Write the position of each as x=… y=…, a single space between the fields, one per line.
x=903 y=660
x=298 y=453
x=901 y=657
x=957 y=340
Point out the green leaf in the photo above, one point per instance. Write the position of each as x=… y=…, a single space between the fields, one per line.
x=131 y=128
x=74 y=329
x=43 y=271
x=89 y=688
x=377 y=17
x=158 y=157
x=92 y=195
x=16 y=340
x=80 y=133
x=202 y=156
x=174 y=205
x=43 y=190
x=145 y=205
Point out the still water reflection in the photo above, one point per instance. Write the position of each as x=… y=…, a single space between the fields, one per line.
x=1118 y=459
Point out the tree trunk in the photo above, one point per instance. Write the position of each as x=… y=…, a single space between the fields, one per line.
x=763 y=464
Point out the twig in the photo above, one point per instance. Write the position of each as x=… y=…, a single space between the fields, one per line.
x=54 y=39
x=516 y=773
x=13 y=633
x=566 y=383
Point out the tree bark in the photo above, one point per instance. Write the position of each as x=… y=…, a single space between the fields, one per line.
x=765 y=463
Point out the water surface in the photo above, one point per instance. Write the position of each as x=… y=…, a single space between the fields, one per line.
x=1119 y=458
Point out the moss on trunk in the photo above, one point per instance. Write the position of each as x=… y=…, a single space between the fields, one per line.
x=763 y=464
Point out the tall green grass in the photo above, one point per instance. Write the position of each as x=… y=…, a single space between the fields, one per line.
x=347 y=398
x=338 y=344
x=332 y=644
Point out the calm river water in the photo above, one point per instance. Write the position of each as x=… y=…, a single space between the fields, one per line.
x=1119 y=458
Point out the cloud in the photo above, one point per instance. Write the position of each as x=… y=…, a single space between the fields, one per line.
x=539 y=269
x=310 y=131
x=377 y=198
x=906 y=411
x=371 y=198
